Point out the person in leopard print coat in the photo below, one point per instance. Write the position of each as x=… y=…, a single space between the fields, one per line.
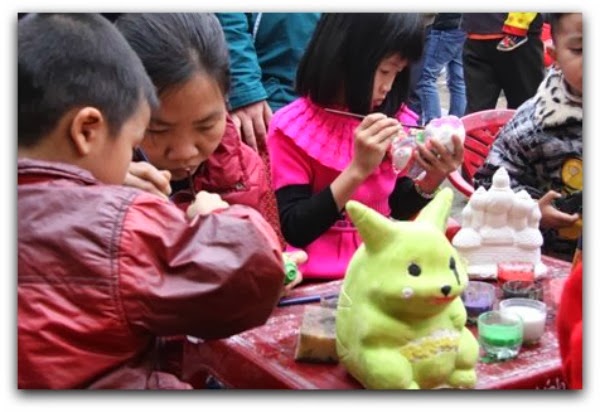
x=541 y=147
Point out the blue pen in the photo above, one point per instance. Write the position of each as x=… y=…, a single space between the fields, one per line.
x=304 y=299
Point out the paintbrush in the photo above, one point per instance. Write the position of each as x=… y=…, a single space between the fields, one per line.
x=361 y=116
x=191 y=181
x=139 y=155
x=305 y=299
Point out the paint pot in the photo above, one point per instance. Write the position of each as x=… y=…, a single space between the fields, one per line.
x=523 y=289
x=533 y=314
x=478 y=297
x=500 y=335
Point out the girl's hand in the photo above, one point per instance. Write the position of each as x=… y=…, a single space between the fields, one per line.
x=552 y=217
x=438 y=162
x=148 y=178
x=372 y=139
x=206 y=203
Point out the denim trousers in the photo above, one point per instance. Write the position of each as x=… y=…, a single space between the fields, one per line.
x=443 y=48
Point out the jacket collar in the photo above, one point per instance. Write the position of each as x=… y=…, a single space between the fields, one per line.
x=46 y=170
x=554 y=105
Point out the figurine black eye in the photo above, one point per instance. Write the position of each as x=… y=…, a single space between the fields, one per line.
x=453 y=269
x=414 y=269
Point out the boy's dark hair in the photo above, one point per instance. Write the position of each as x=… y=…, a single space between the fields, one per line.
x=553 y=19
x=75 y=60
x=344 y=52
x=175 y=46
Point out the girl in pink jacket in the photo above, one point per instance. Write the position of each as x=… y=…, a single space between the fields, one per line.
x=357 y=63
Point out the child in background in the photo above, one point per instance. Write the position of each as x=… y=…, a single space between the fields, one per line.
x=191 y=135
x=320 y=160
x=515 y=26
x=541 y=147
x=105 y=269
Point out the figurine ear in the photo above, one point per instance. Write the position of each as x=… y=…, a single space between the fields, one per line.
x=374 y=229
x=437 y=211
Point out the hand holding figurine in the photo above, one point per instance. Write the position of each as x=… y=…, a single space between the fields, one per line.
x=438 y=151
x=437 y=159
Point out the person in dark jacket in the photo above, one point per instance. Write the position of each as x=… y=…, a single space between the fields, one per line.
x=541 y=147
x=105 y=270
x=488 y=71
x=191 y=135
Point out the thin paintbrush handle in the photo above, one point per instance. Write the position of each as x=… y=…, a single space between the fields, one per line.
x=360 y=116
x=140 y=156
x=304 y=299
x=191 y=181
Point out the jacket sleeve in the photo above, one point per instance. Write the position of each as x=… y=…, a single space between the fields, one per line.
x=246 y=85
x=209 y=277
x=404 y=201
x=517 y=153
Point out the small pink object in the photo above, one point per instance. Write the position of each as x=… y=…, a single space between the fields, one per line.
x=443 y=128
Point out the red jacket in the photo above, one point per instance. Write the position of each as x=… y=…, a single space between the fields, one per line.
x=105 y=270
x=238 y=174
x=570 y=328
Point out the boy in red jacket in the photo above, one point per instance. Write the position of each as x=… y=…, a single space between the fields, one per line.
x=105 y=270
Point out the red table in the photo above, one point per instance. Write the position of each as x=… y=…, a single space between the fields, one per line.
x=263 y=358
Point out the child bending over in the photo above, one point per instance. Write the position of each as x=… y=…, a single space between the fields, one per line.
x=190 y=134
x=104 y=270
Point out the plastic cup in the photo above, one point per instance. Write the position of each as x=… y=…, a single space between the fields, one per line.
x=500 y=335
x=478 y=297
x=523 y=289
x=532 y=313
x=508 y=271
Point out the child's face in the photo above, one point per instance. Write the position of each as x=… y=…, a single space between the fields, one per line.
x=568 y=49
x=384 y=77
x=188 y=126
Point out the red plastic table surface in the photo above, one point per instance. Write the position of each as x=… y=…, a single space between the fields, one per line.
x=263 y=357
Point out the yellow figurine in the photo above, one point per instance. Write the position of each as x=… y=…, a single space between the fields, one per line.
x=400 y=321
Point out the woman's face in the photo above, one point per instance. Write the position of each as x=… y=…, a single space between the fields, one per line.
x=385 y=74
x=188 y=126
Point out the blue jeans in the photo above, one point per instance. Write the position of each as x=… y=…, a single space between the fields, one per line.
x=442 y=48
